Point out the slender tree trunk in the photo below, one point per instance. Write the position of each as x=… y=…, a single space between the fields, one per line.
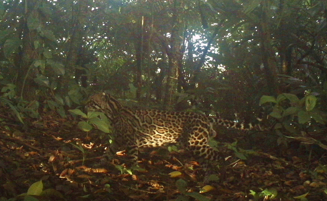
x=174 y=56
x=26 y=73
x=267 y=55
x=80 y=11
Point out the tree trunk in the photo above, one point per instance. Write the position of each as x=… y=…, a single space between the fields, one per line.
x=174 y=55
x=80 y=10
x=26 y=73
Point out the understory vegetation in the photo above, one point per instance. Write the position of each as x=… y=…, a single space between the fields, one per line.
x=251 y=61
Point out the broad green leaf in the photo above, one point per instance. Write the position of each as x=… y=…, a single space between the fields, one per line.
x=68 y=101
x=301 y=196
x=271 y=193
x=249 y=7
x=181 y=185
x=276 y=114
x=214 y=177
x=304 y=117
x=3 y=35
x=48 y=34
x=84 y=126
x=310 y=102
x=36 y=188
x=75 y=95
x=11 y=45
x=172 y=148
x=61 y=111
x=267 y=99
x=290 y=111
x=79 y=147
x=57 y=67
x=105 y=119
x=52 y=105
x=59 y=99
x=92 y=114
x=47 y=54
x=293 y=98
x=42 y=80
x=40 y=64
x=13 y=108
x=317 y=117
x=240 y=155
x=78 y=112
x=289 y=127
x=33 y=23
x=100 y=124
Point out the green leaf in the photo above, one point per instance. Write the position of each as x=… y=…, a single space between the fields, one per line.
x=289 y=127
x=317 y=117
x=33 y=23
x=78 y=112
x=93 y=114
x=214 y=177
x=4 y=34
x=310 y=102
x=61 y=111
x=39 y=64
x=42 y=80
x=16 y=112
x=47 y=54
x=52 y=105
x=48 y=34
x=36 y=188
x=267 y=99
x=181 y=185
x=79 y=147
x=11 y=45
x=57 y=67
x=240 y=155
x=276 y=113
x=290 y=111
x=302 y=197
x=304 y=117
x=248 y=8
x=292 y=98
x=59 y=99
x=172 y=148
x=271 y=193
x=84 y=126
x=100 y=124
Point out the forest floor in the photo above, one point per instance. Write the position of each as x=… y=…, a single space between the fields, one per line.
x=74 y=165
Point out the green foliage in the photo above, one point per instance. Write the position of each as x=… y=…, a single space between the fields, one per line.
x=266 y=193
x=35 y=193
x=287 y=107
x=182 y=187
x=97 y=119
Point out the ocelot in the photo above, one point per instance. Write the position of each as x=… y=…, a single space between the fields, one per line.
x=154 y=128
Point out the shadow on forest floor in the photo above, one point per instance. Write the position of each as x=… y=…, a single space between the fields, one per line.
x=77 y=167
